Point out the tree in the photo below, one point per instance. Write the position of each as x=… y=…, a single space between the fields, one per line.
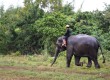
x=50 y=5
x=67 y=9
x=1 y=11
x=49 y=28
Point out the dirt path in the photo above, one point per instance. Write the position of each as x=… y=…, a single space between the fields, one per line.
x=49 y=69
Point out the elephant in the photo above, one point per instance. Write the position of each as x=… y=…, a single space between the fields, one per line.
x=80 y=45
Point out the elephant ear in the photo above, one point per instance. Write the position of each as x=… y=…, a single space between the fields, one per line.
x=59 y=40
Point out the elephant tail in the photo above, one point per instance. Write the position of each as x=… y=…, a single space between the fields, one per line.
x=102 y=54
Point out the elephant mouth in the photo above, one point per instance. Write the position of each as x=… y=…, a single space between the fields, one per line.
x=63 y=48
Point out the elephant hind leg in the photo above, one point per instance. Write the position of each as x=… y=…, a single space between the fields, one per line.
x=77 y=61
x=93 y=57
x=89 y=62
x=96 y=63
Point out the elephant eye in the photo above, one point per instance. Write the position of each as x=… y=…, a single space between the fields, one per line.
x=60 y=41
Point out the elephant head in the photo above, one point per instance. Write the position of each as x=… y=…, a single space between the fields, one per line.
x=59 y=48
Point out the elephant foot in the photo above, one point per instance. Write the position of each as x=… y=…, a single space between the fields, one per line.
x=88 y=65
x=68 y=66
x=97 y=66
x=79 y=64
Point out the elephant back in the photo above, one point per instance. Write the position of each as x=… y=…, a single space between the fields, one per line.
x=83 y=39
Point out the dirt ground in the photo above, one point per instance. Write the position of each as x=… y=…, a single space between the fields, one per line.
x=5 y=75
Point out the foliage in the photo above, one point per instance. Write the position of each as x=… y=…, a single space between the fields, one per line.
x=51 y=5
x=49 y=28
x=34 y=29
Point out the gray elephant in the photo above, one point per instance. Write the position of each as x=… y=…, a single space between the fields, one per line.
x=80 y=45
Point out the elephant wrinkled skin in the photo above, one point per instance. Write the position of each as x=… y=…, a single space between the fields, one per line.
x=80 y=45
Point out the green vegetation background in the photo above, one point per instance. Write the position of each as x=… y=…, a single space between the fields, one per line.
x=33 y=30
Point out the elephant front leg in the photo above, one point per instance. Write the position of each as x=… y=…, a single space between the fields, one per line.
x=77 y=59
x=89 y=62
x=69 y=57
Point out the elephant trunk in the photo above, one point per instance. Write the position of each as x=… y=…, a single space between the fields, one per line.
x=56 y=55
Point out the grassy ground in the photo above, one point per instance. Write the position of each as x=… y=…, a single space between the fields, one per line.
x=37 y=67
